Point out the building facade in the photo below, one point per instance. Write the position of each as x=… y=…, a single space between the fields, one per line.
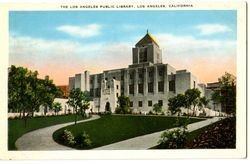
x=146 y=81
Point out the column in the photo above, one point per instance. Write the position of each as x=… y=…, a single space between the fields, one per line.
x=165 y=74
x=136 y=81
x=126 y=82
x=155 y=80
x=145 y=83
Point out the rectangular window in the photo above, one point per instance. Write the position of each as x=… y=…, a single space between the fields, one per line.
x=194 y=84
x=91 y=92
x=117 y=94
x=117 y=86
x=161 y=86
x=150 y=87
x=160 y=102
x=131 y=89
x=131 y=104
x=149 y=103
x=172 y=86
x=143 y=55
x=160 y=71
x=150 y=74
x=131 y=76
x=140 y=103
x=97 y=92
x=140 y=88
x=140 y=75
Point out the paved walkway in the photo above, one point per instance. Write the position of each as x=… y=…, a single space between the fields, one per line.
x=41 y=139
x=150 y=140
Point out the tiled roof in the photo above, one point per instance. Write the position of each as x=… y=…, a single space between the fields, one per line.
x=148 y=38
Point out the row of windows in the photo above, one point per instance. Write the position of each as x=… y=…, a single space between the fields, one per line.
x=131 y=76
x=150 y=103
x=150 y=87
x=141 y=74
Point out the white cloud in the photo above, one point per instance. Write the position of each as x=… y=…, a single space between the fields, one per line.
x=184 y=46
x=81 y=31
x=209 y=29
x=62 y=55
x=212 y=57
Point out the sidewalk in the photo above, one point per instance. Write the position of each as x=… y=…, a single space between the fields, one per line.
x=41 y=139
x=150 y=140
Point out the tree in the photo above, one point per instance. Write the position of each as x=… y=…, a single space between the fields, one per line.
x=123 y=105
x=78 y=101
x=57 y=107
x=226 y=93
x=203 y=101
x=192 y=98
x=157 y=108
x=26 y=93
x=176 y=103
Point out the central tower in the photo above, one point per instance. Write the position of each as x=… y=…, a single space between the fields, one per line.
x=147 y=51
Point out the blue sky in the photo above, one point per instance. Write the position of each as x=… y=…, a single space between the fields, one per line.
x=92 y=39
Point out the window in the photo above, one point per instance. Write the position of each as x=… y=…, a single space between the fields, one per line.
x=194 y=84
x=117 y=86
x=113 y=77
x=140 y=103
x=99 y=79
x=97 y=92
x=143 y=55
x=140 y=75
x=150 y=74
x=150 y=87
x=131 y=104
x=149 y=103
x=140 y=88
x=117 y=94
x=172 y=85
x=161 y=86
x=160 y=102
x=91 y=81
x=131 y=76
x=131 y=89
x=160 y=72
x=91 y=92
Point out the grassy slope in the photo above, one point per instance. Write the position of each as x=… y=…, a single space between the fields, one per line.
x=114 y=128
x=16 y=127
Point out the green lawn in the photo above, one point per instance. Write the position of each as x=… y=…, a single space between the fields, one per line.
x=16 y=127
x=113 y=128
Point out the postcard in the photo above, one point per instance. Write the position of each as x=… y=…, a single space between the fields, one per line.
x=152 y=80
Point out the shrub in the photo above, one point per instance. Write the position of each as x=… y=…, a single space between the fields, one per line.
x=83 y=141
x=68 y=138
x=150 y=113
x=173 y=139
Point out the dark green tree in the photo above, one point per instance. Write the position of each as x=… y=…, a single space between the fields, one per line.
x=192 y=98
x=57 y=107
x=26 y=93
x=226 y=93
x=123 y=105
x=157 y=108
x=78 y=101
x=176 y=103
x=203 y=101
